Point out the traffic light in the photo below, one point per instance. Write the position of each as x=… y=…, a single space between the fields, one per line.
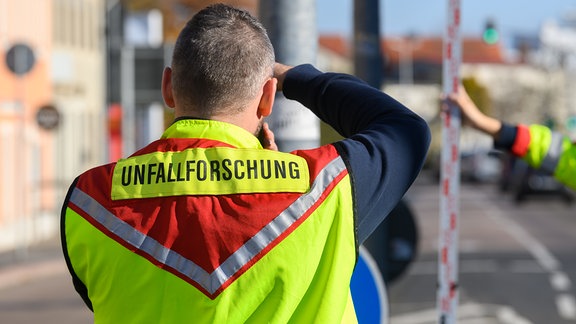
x=490 y=34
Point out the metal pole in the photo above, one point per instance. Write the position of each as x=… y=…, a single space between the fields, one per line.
x=368 y=63
x=128 y=101
x=291 y=25
x=368 y=66
x=450 y=173
x=20 y=64
x=114 y=44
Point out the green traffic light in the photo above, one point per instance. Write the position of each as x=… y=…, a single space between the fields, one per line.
x=490 y=36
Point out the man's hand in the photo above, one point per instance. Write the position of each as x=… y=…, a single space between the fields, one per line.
x=267 y=138
x=280 y=71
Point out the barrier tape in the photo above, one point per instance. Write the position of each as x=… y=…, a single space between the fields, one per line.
x=450 y=173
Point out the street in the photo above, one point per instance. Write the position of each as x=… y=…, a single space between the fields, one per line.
x=47 y=300
x=517 y=261
x=517 y=265
x=38 y=289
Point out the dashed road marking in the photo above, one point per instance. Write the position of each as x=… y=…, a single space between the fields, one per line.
x=566 y=306
x=560 y=282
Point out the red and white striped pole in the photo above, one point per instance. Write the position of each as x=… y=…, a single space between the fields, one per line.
x=450 y=173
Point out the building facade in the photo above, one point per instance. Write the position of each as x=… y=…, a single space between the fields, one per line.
x=51 y=109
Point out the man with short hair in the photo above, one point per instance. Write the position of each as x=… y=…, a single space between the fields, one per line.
x=206 y=225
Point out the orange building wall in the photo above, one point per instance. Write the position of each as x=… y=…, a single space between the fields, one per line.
x=27 y=162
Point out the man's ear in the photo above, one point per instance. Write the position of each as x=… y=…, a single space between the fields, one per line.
x=167 y=92
x=267 y=100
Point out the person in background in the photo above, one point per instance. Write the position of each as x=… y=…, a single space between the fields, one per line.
x=206 y=225
x=539 y=146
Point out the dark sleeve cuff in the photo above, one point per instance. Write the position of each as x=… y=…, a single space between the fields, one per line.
x=515 y=139
x=506 y=137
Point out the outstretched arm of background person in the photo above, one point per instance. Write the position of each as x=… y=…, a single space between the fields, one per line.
x=538 y=145
x=473 y=115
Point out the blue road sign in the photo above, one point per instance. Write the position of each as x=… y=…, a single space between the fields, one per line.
x=368 y=291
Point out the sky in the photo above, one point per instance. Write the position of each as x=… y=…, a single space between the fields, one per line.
x=427 y=17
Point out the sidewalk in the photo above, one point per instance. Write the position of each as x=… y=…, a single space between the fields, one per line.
x=39 y=260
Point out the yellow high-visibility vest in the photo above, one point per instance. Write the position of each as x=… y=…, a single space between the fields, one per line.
x=205 y=226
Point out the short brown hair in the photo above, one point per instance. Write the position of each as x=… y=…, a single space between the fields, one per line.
x=221 y=59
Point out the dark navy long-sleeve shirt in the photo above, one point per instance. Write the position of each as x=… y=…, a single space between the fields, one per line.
x=385 y=143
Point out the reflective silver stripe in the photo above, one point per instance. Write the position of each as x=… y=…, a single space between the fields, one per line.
x=554 y=152
x=138 y=239
x=211 y=281
x=282 y=222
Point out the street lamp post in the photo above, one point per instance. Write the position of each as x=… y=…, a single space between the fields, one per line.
x=291 y=25
x=368 y=63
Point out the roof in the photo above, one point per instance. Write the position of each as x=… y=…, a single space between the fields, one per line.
x=474 y=50
x=336 y=44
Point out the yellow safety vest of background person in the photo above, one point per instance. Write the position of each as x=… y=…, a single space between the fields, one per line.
x=547 y=150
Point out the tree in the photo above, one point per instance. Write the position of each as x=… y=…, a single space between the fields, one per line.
x=479 y=94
